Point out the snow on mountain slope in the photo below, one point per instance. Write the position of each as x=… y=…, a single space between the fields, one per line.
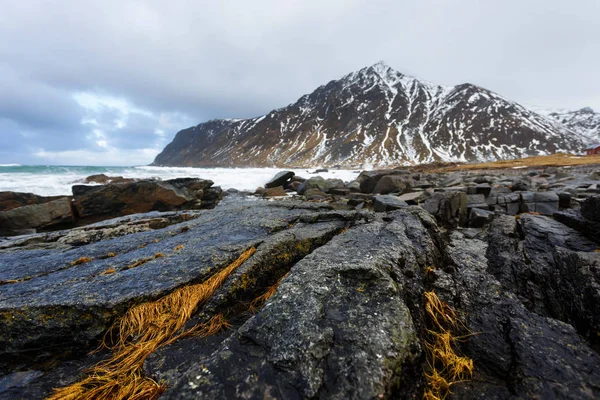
x=584 y=121
x=375 y=116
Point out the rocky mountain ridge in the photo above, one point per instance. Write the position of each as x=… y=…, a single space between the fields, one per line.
x=377 y=116
x=584 y=121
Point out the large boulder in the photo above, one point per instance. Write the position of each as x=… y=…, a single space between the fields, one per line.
x=10 y=200
x=34 y=217
x=393 y=184
x=316 y=182
x=368 y=180
x=137 y=197
x=280 y=179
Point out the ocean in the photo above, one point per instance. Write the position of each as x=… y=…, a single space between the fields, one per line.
x=56 y=180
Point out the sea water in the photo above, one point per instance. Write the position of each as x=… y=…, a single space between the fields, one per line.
x=55 y=180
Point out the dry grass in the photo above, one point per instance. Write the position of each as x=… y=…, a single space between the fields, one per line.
x=142 y=330
x=262 y=299
x=108 y=271
x=553 y=160
x=445 y=366
x=81 y=260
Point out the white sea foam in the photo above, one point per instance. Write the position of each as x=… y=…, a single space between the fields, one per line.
x=53 y=181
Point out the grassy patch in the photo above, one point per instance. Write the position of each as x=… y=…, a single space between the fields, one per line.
x=445 y=366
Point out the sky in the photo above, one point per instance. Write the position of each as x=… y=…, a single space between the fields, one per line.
x=111 y=82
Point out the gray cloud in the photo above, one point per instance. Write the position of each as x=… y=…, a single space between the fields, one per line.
x=193 y=61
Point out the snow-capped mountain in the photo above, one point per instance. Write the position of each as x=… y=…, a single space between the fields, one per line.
x=375 y=116
x=584 y=121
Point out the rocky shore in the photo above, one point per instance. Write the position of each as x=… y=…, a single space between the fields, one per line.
x=308 y=288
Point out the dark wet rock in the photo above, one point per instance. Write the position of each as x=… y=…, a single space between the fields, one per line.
x=590 y=209
x=280 y=179
x=320 y=336
x=130 y=198
x=274 y=192
x=517 y=352
x=550 y=267
x=37 y=216
x=53 y=301
x=575 y=220
x=449 y=208
x=564 y=200
x=10 y=200
x=478 y=217
x=18 y=379
x=383 y=203
x=509 y=203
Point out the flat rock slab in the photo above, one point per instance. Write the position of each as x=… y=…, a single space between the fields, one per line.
x=48 y=297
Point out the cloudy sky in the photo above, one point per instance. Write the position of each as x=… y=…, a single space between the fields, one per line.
x=110 y=82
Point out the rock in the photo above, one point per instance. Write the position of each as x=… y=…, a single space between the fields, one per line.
x=316 y=182
x=274 y=192
x=449 y=208
x=520 y=350
x=280 y=179
x=319 y=170
x=130 y=198
x=478 y=218
x=545 y=203
x=473 y=199
x=10 y=200
x=484 y=189
x=316 y=195
x=294 y=185
x=334 y=183
x=368 y=179
x=384 y=203
x=414 y=198
x=298 y=344
x=297 y=178
x=259 y=191
x=36 y=216
x=590 y=209
x=509 y=202
x=348 y=319
x=354 y=186
x=520 y=185
x=18 y=379
x=104 y=179
x=339 y=191
x=564 y=200
x=588 y=225
x=393 y=184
